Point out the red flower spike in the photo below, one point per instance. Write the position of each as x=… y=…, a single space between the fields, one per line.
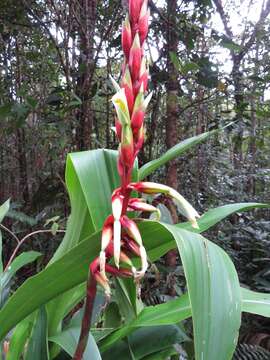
x=126 y=37
x=130 y=106
x=134 y=10
x=131 y=228
x=135 y=57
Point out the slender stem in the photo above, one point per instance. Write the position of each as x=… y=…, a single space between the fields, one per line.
x=10 y=232
x=87 y=316
x=23 y=240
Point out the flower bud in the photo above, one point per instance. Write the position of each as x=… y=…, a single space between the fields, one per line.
x=137 y=121
x=120 y=103
x=144 y=264
x=132 y=229
x=138 y=205
x=127 y=146
x=127 y=85
x=183 y=205
x=117 y=204
x=134 y=10
x=120 y=167
x=139 y=140
x=107 y=232
x=143 y=79
x=118 y=272
x=123 y=257
x=126 y=37
x=143 y=22
x=118 y=128
x=116 y=242
x=102 y=262
x=135 y=56
x=131 y=246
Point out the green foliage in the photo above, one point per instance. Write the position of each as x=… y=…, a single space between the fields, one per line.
x=206 y=266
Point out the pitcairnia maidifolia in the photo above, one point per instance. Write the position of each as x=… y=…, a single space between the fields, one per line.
x=121 y=239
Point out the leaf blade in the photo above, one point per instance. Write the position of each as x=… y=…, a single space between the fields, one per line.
x=172 y=153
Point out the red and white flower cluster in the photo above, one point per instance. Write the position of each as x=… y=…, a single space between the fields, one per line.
x=121 y=237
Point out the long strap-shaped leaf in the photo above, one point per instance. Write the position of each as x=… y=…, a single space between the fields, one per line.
x=91 y=177
x=177 y=310
x=215 y=215
x=214 y=293
x=174 y=152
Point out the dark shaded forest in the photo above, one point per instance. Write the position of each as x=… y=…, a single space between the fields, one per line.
x=209 y=68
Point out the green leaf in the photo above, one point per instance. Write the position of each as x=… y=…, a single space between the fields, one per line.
x=145 y=341
x=18 y=339
x=38 y=343
x=164 y=314
x=64 y=274
x=91 y=176
x=172 y=153
x=177 y=310
x=4 y=209
x=176 y=61
x=5 y=278
x=72 y=269
x=1 y=261
x=229 y=44
x=255 y=302
x=214 y=293
x=5 y=110
x=125 y=294
x=213 y=216
x=68 y=340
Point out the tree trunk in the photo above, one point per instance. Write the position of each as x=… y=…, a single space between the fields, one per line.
x=172 y=108
x=239 y=108
x=86 y=70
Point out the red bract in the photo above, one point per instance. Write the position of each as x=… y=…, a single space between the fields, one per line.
x=143 y=22
x=135 y=58
x=126 y=37
x=137 y=121
x=134 y=10
x=118 y=128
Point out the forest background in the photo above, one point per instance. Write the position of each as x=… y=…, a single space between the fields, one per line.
x=209 y=67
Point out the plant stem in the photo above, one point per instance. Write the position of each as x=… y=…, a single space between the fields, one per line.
x=87 y=316
x=23 y=240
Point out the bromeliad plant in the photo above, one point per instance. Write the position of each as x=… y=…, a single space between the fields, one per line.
x=120 y=234
x=102 y=185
